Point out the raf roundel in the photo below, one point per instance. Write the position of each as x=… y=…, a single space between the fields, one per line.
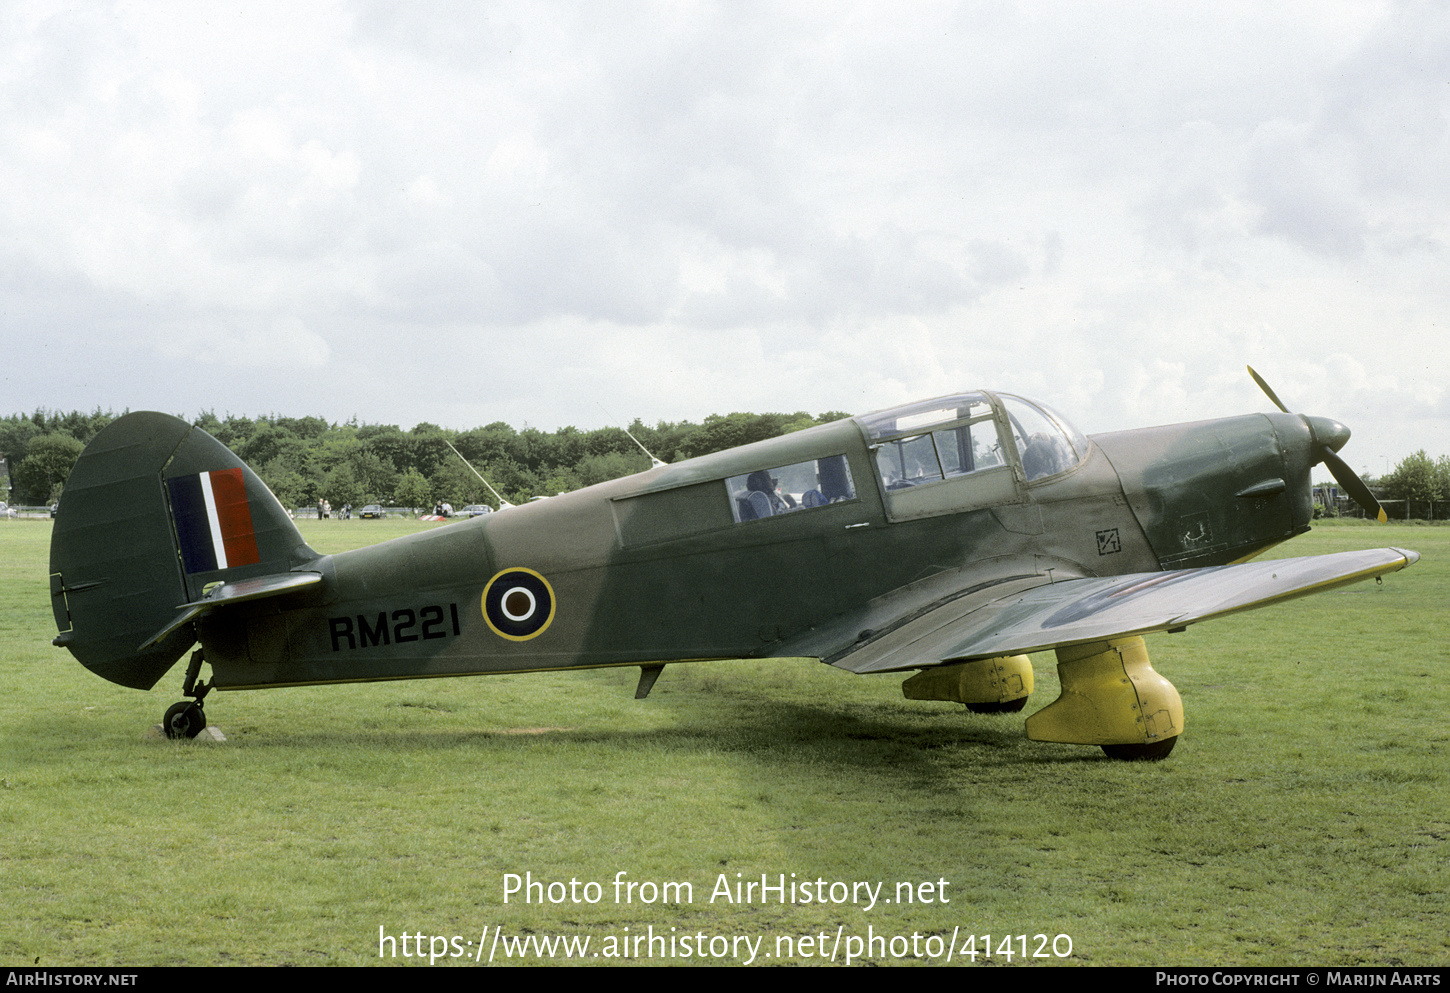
x=518 y=604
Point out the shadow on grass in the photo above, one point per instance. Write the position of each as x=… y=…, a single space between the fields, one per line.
x=895 y=738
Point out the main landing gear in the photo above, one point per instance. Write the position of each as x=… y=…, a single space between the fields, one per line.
x=186 y=719
x=1111 y=697
x=987 y=686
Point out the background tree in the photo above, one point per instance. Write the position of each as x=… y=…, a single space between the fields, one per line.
x=389 y=445
x=732 y=430
x=414 y=491
x=376 y=476
x=1414 y=478
x=665 y=439
x=558 y=482
x=15 y=437
x=340 y=487
x=610 y=465
x=288 y=485
x=48 y=461
x=456 y=484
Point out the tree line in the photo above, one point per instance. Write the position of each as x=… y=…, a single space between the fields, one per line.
x=1418 y=477
x=307 y=459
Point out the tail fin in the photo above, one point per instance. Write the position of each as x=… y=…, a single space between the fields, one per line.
x=154 y=514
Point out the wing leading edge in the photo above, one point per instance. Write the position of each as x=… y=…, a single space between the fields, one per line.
x=1011 y=620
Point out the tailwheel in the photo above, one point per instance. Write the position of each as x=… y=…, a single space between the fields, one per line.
x=184 y=720
x=1151 y=751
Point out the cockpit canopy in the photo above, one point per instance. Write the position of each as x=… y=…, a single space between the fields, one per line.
x=935 y=440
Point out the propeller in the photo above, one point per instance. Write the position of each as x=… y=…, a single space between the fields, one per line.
x=1329 y=437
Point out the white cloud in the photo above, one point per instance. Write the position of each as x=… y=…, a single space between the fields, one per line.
x=265 y=344
x=471 y=212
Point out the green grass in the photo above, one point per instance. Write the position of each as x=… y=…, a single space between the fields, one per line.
x=1304 y=817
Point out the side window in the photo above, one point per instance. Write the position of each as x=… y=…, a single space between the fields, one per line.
x=929 y=458
x=788 y=488
x=955 y=453
x=908 y=461
x=968 y=448
x=934 y=440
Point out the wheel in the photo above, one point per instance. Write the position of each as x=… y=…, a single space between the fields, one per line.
x=184 y=720
x=1150 y=752
x=1010 y=707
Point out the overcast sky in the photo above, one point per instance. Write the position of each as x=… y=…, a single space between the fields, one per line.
x=585 y=213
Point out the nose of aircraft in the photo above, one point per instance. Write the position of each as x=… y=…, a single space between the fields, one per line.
x=1330 y=436
x=1328 y=432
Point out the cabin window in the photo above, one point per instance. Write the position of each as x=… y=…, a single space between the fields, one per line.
x=941 y=456
x=1046 y=446
x=908 y=462
x=934 y=440
x=926 y=414
x=968 y=448
x=955 y=453
x=789 y=488
x=927 y=458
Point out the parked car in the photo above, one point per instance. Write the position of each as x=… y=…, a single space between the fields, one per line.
x=475 y=510
x=372 y=511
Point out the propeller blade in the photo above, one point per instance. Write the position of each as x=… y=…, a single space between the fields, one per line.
x=1325 y=432
x=1265 y=387
x=1353 y=485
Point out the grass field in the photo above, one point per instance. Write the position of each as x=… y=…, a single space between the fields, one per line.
x=1303 y=819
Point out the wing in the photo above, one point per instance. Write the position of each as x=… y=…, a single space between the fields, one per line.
x=1030 y=614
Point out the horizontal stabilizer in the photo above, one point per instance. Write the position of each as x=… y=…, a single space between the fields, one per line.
x=230 y=593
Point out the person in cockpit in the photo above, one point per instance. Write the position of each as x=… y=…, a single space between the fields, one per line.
x=760 y=481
